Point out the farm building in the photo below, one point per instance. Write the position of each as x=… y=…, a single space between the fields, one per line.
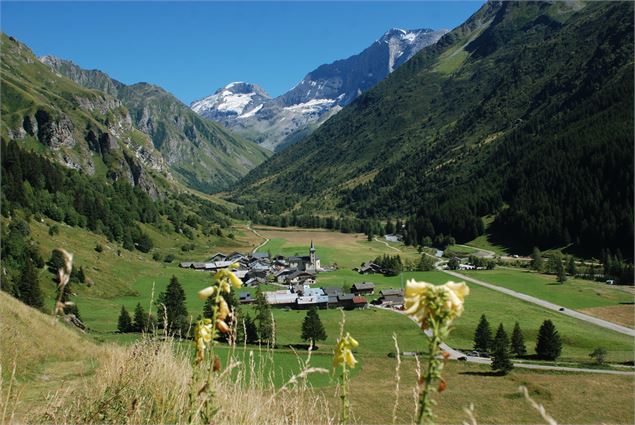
x=363 y=288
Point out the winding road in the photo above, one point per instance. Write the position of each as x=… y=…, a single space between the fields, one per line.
x=545 y=304
x=456 y=354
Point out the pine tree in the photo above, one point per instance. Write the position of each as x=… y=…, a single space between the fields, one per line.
x=140 y=322
x=501 y=361
x=312 y=327
x=263 y=317
x=28 y=286
x=548 y=345
x=247 y=330
x=483 y=335
x=518 y=342
x=171 y=305
x=536 y=260
x=571 y=267
x=124 y=324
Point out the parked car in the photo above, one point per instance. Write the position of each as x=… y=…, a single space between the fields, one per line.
x=561 y=309
x=462 y=358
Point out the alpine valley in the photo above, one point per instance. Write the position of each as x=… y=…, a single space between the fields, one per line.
x=437 y=229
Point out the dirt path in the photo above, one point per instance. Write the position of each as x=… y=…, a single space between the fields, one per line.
x=253 y=251
x=389 y=246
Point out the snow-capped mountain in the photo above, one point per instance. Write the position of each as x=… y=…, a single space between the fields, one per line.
x=234 y=101
x=277 y=123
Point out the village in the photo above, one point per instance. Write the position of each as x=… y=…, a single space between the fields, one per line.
x=297 y=277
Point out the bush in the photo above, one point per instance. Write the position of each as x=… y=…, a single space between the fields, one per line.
x=99 y=248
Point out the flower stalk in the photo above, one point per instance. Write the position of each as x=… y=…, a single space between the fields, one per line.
x=433 y=308
x=345 y=359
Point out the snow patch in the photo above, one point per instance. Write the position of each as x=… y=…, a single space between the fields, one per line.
x=251 y=113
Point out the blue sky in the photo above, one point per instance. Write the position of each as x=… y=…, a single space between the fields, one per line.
x=192 y=49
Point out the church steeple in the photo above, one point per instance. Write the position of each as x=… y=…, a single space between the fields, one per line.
x=312 y=255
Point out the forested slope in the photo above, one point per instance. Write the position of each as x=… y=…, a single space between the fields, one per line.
x=525 y=111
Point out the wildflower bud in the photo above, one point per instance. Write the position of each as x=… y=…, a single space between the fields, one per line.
x=206 y=293
x=442 y=385
x=216 y=364
x=223 y=310
x=222 y=326
x=237 y=283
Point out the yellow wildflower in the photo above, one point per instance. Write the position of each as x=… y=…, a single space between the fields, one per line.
x=344 y=353
x=202 y=336
x=443 y=303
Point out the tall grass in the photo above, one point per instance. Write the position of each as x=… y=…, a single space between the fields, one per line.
x=155 y=381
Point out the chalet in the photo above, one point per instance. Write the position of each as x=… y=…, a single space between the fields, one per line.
x=390 y=292
x=218 y=257
x=359 y=302
x=392 y=301
x=300 y=277
x=234 y=256
x=369 y=268
x=319 y=301
x=198 y=266
x=281 y=276
x=345 y=300
x=331 y=291
x=259 y=274
x=306 y=263
x=241 y=274
x=254 y=281
x=281 y=298
x=260 y=256
x=246 y=298
x=363 y=288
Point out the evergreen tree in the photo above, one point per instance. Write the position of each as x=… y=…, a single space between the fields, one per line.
x=124 y=324
x=483 y=335
x=263 y=317
x=248 y=332
x=518 y=342
x=571 y=267
x=171 y=305
x=28 y=286
x=426 y=263
x=140 y=322
x=536 y=260
x=548 y=345
x=312 y=327
x=453 y=264
x=501 y=361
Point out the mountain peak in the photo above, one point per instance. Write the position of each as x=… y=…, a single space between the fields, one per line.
x=232 y=101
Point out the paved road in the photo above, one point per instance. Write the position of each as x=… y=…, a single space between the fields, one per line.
x=455 y=354
x=545 y=304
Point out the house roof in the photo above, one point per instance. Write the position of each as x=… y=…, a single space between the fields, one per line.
x=364 y=285
x=388 y=292
x=331 y=291
x=359 y=300
x=185 y=264
x=299 y=273
x=345 y=297
x=395 y=299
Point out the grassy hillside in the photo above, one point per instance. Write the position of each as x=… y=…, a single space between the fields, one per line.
x=203 y=154
x=523 y=112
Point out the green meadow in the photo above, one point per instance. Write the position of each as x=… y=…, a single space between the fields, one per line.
x=574 y=293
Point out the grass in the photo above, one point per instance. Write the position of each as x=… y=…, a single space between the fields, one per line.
x=574 y=293
x=579 y=338
x=570 y=398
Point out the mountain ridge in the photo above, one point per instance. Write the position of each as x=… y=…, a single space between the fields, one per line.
x=279 y=122
x=200 y=152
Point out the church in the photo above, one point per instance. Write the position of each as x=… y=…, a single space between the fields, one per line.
x=308 y=263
